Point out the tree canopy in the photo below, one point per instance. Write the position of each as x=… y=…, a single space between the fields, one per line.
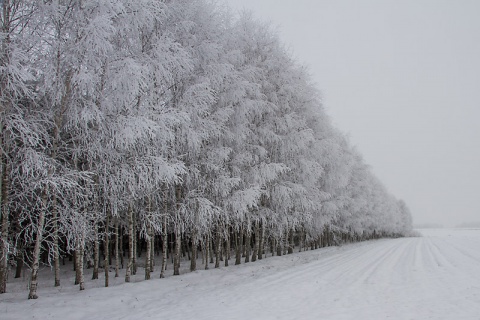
x=149 y=120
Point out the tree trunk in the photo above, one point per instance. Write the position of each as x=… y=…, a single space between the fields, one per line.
x=78 y=256
x=19 y=264
x=302 y=240
x=202 y=245
x=261 y=241
x=279 y=247
x=291 y=243
x=164 y=256
x=152 y=252
x=77 y=272
x=117 y=247
x=131 y=243
x=207 y=250
x=106 y=263
x=257 y=242
x=56 y=254
x=74 y=255
x=121 y=251
x=178 y=235
x=96 y=249
x=55 y=213
x=227 y=250
x=177 y=250
x=79 y=269
x=4 y=106
x=193 y=260
x=4 y=213
x=184 y=250
x=38 y=247
x=247 y=246
x=218 y=249
x=164 y=242
x=134 y=245
x=210 y=245
x=170 y=252
x=238 y=246
x=148 y=254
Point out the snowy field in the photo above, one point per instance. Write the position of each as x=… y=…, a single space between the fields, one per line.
x=436 y=276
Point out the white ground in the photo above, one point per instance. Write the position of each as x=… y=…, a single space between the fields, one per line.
x=436 y=276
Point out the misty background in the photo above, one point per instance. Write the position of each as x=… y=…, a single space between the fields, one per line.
x=402 y=79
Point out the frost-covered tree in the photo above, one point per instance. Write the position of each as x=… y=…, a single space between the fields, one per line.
x=23 y=135
x=128 y=124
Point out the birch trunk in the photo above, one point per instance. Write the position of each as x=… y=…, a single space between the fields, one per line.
x=56 y=254
x=178 y=247
x=302 y=240
x=148 y=254
x=238 y=246
x=134 y=245
x=164 y=255
x=4 y=212
x=80 y=254
x=77 y=272
x=117 y=248
x=36 y=251
x=185 y=251
x=178 y=239
x=193 y=261
x=279 y=247
x=121 y=250
x=210 y=245
x=128 y=272
x=165 y=234
x=4 y=106
x=19 y=260
x=106 y=263
x=164 y=243
x=256 y=245
x=218 y=249
x=202 y=245
x=291 y=243
x=152 y=252
x=227 y=250
x=261 y=242
x=247 y=246
x=207 y=247
x=55 y=213
x=96 y=249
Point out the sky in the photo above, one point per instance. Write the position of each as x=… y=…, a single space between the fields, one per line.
x=402 y=79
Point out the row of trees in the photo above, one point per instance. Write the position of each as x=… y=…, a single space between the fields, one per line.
x=132 y=123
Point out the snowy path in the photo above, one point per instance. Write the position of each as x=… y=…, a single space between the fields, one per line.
x=433 y=277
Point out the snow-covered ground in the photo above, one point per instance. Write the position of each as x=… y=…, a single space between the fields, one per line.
x=436 y=276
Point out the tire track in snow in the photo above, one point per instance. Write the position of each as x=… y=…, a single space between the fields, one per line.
x=351 y=282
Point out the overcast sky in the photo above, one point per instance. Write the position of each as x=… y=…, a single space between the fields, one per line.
x=402 y=78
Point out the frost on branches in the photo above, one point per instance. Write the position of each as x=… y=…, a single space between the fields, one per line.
x=130 y=127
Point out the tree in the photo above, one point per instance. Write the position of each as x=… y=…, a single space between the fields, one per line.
x=168 y=119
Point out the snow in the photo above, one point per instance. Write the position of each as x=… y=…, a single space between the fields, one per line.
x=431 y=277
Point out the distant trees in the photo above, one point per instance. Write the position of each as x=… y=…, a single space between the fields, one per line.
x=147 y=126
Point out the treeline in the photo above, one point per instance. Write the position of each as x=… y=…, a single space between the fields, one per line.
x=129 y=124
